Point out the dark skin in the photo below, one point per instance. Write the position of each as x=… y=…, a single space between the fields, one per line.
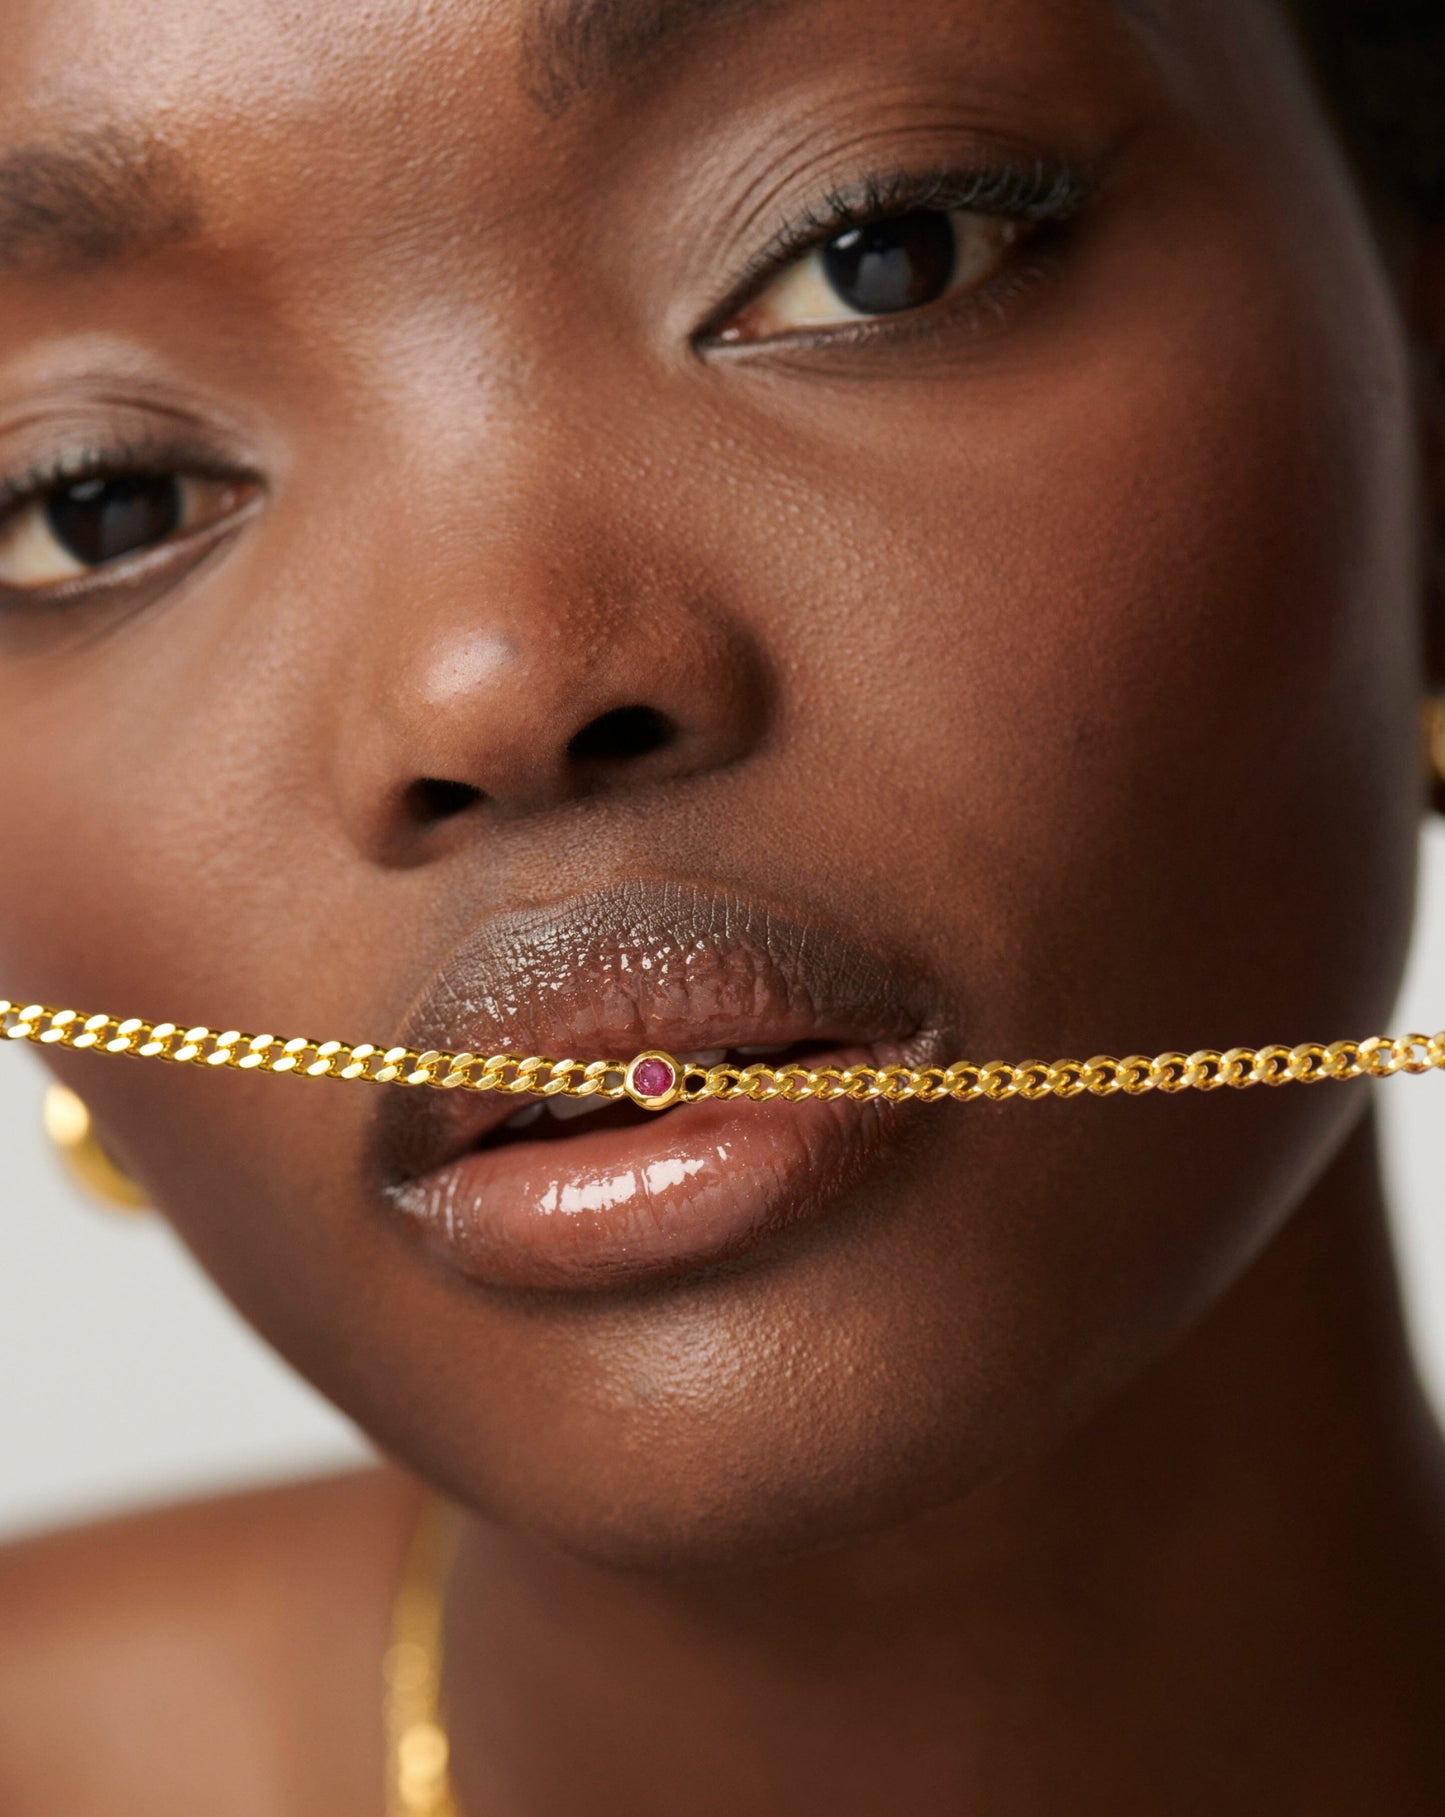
x=1071 y=646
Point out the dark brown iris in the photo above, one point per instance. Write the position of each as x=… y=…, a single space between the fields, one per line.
x=886 y=266
x=99 y=520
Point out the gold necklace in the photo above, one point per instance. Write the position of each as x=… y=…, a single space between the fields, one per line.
x=657 y=1080
x=417 y=1748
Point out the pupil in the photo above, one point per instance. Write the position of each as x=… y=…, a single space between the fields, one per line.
x=886 y=266
x=98 y=520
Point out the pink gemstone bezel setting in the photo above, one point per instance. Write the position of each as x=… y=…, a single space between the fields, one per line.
x=647 y=1065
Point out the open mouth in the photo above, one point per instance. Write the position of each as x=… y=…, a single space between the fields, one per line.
x=585 y=1192
x=547 y=1119
x=593 y=1194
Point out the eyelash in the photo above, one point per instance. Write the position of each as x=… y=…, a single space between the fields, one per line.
x=119 y=460
x=1044 y=192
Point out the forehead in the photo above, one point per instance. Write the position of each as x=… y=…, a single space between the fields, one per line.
x=81 y=57
x=118 y=115
x=137 y=121
x=565 y=42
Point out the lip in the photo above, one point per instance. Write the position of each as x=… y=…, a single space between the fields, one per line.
x=635 y=966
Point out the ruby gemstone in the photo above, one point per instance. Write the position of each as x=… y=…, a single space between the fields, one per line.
x=653 y=1078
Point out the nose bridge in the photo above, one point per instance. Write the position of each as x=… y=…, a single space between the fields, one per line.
x=532 y=640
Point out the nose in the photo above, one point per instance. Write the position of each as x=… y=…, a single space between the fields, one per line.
x=524 y=665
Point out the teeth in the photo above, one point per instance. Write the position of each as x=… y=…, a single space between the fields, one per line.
x=564 y=1109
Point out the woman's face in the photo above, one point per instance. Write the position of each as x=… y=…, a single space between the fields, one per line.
x=577 y=592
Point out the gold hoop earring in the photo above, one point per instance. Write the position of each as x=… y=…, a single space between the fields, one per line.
x=70 y=1128
x=1435 y=746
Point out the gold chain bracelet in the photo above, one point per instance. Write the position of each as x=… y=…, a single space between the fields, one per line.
x=656 y=1080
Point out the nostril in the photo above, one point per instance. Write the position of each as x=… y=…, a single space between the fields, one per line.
x=620 y=735
x=431 y=799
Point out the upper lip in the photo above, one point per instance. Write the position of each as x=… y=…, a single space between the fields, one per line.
x=641 y=964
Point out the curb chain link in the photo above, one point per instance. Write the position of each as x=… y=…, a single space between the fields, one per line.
x=537 y=1076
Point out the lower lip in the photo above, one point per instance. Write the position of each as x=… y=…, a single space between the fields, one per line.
x=695 y=1186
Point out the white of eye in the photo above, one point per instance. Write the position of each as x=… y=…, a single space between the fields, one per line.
x=950 y=252
x=37 y=550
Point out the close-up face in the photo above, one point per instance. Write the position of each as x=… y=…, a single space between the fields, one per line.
x=563 y=529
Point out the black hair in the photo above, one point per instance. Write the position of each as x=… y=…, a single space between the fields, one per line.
x=1381 y=66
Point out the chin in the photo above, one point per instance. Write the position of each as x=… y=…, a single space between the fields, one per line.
x=973 y=1294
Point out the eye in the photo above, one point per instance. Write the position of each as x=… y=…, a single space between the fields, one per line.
x=74 y=527
x=880 y=268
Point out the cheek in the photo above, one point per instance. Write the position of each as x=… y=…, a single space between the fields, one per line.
x=1146 y=703
x=1108 y=675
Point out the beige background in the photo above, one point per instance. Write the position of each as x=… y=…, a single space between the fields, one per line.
x=127 y=1378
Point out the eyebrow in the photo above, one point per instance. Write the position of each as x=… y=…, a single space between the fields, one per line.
x=90 y=198
x=94 y=197
x=573 y=47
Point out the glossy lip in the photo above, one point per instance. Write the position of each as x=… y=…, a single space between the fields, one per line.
x=640 y=965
